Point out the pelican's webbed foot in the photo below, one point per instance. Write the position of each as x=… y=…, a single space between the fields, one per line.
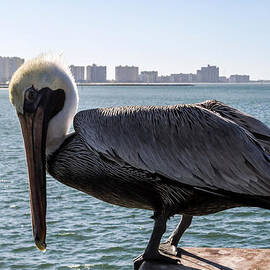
x=152 y=252
x=168 y=248
x=155 y=256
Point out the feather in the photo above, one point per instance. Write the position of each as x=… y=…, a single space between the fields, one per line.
x=187 y=144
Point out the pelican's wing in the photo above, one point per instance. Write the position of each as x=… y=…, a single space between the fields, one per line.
x=259 y=130
x=188 y=144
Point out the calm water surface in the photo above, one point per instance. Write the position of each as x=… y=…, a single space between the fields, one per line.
x=84 y=233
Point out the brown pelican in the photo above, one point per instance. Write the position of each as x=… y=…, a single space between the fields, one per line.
x=184 y=159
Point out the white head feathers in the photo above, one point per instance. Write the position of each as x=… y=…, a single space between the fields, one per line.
x=46 y=70
x=49 y=71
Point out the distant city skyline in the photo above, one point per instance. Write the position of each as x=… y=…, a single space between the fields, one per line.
x=170 y=36
x=208 y=74
x=95 y=73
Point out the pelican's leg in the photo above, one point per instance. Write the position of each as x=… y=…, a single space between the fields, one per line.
x=170 y=246
x=152 y=252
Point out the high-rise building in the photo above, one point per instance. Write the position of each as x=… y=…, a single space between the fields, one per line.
x=96 y=73
x=126 y=74
x=78 y=73
x=148 y=76
x=8 y=65
x=208 y=74
x=239 y=78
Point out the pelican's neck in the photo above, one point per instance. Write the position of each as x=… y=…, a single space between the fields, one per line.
x=59 y=125
x=54 y=143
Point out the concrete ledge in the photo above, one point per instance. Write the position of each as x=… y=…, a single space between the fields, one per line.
x=216 y=258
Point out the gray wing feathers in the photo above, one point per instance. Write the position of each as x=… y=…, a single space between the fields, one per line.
x=188 y=144
x=259 y=130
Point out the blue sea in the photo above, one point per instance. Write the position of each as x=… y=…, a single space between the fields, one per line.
x=84 y=233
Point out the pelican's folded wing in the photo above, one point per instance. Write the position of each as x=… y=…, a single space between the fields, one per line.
x=258 y=129
x=185 y=143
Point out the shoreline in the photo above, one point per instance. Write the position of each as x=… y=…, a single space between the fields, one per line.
x=5 y=86
x=135 y=84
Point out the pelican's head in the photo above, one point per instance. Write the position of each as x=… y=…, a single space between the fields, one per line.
x=45 y=97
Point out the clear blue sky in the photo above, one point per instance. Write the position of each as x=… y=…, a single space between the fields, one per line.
x=168 y=36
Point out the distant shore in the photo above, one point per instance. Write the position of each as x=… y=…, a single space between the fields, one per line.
x=124 y=84
x=155 y=84
x=134 y=84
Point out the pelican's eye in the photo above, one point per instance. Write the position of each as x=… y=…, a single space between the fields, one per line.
x=31 y=99
x=31 y=94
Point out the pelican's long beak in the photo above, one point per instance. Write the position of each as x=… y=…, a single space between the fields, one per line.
x=34 y=134
x=34 y=123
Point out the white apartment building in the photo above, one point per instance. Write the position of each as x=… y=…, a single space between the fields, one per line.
x=8 y=65
x=183 y=78
x=126 y=74
x=239 y=78
x=78 y=73
x=208 y=74
x=96 y=73
x=148 y=76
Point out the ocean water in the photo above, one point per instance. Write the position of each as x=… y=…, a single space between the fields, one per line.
x=84 y=233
